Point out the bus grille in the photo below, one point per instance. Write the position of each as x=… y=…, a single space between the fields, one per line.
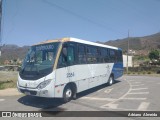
x=28 y=91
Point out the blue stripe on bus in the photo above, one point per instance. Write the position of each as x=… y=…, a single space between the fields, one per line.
x=117 y=70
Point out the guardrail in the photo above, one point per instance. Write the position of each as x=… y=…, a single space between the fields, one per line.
x=10 y=68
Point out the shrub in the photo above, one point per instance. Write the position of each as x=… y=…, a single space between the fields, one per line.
x=144 y=72
x=158 y=72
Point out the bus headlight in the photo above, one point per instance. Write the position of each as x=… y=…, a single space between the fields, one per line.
x=44 y=84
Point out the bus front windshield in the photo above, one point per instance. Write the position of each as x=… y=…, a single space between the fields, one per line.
x=39 y=61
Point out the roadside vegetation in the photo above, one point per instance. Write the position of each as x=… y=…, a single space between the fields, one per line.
x=146 y=64
x=8 y=79
x=143 y=70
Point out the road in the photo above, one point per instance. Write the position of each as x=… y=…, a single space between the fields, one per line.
x=129 y=93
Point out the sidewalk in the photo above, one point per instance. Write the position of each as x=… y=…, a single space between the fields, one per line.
x=9 y=92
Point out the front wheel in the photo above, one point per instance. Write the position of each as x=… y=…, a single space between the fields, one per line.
x=111 y=80
x=67 y=94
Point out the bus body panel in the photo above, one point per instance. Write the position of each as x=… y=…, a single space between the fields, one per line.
x=84 y=76
x=117 y=70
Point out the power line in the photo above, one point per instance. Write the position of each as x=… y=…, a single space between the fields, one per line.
x=80 y=16
x=138 y=13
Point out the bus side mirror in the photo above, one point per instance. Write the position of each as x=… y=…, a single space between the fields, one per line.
x=64 y=51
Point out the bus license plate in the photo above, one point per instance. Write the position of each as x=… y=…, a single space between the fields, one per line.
x=27 y=93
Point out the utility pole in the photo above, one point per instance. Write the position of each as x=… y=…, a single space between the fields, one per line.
x=0 y=26
x=127 y=51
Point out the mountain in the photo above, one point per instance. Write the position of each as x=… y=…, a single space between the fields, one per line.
x=13 y=52
x=142 y=45
x=145 y=43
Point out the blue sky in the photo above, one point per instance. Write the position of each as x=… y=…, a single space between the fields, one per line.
x=26 y=22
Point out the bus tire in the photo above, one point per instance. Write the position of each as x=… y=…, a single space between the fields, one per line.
x=111 y=80
x=67 y=94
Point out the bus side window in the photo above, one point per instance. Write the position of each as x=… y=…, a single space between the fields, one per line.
x=91 y=55
x=70 y=55
x=61 y=61
x=119 y=56
x=112 y=55
x=98 y=55
x=105 y=56
x=81 y=54
x=67 y=57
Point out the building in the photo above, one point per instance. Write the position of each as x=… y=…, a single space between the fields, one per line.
x=130 y=61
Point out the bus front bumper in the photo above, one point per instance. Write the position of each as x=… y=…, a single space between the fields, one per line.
x=34 y=92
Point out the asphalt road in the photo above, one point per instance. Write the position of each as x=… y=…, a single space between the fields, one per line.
x=129 y=93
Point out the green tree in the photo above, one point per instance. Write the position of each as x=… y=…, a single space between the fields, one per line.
x=154 y=54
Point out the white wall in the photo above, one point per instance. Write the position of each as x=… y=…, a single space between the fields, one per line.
x=130 y=62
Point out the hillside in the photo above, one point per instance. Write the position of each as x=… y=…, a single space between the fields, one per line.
x=145 y=43
x=13 y=52
x=142 y=45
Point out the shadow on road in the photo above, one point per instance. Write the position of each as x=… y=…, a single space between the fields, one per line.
x=54 y=104
x=42 y=103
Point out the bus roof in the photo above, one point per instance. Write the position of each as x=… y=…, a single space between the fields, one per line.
x=76 y=40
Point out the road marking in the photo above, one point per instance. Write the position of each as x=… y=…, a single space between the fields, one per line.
x=131 y=80
x=94 y=98
x=2 y=100
x=124 y=97
x=100 y=90
x=112 y=102
x=138 y=85
x=139 y=93
x=150 y=81
x=143 y=106
x=158 y=83
x=133 y=98
x=113 y=106
x=108 y=90
x=136 y=82
x=139 y=89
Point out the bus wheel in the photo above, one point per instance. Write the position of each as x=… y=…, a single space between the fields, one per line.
x=111 y=80
x=67 y=94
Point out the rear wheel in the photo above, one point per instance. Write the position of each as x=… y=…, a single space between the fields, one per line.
x=111 y=80
x=67 y=94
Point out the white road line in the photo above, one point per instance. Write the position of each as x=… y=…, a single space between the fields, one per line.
x=125 y=98
x=95 y=98
x=108 y=90
x=100 y=90
x=132 y=80
x=137 y=85
x=139 y=93
x=2 y=100
x=150 y=81
x=135 y=82
x=143 y=106
x=112 y=106
x=139 y=89
x=158 y=83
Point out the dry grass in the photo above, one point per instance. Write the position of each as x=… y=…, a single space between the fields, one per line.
x=8 y=79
